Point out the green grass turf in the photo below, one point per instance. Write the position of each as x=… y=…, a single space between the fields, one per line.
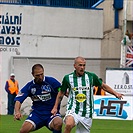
x=8 y=125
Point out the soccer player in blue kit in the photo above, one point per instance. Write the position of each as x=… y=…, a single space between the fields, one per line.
x=43 y=91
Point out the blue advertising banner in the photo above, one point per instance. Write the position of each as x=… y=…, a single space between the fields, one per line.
x=109 y=107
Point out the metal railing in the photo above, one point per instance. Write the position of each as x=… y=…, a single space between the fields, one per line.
x=56 y=3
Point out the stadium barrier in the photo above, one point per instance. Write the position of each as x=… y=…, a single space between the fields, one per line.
x=58 y=3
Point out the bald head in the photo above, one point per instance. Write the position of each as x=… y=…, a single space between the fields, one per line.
x=77 y=59
x=79 y=65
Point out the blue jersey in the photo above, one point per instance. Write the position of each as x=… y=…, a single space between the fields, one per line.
x=43 y=95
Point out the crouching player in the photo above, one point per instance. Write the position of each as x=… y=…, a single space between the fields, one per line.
x=43 y=91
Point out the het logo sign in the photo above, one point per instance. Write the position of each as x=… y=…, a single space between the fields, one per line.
x=111 y=107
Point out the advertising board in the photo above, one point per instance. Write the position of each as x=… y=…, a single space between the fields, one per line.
x=121 y=80
x=109 y=107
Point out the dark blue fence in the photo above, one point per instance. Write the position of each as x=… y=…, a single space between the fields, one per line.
x=57 y=3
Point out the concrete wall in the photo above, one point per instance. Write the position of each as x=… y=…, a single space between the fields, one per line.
x=111 y=42
x=129 y=10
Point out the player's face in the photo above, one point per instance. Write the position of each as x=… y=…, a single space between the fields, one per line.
x=12 y=77
x=38 y=75
x=80 y=67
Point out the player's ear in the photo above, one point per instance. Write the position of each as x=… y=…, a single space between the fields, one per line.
x=32 y=73
x=74 y=65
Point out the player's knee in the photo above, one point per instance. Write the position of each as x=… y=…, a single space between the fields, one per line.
x=58 y=124
x=69 y=122
x=69 y=126
x=26 y=128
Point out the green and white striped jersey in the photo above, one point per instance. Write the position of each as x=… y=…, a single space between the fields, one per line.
x=80 y=99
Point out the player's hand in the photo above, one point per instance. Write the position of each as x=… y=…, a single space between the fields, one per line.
x=119 y=96
x=54 y=111
x=17 y=116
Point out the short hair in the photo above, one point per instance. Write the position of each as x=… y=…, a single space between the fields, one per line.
x=79 y=57
x=36 y=66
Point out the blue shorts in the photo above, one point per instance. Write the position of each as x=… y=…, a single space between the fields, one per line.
x=39 y=120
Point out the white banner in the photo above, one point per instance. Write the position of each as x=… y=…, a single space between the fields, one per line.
x=109 y=107
x=121 y=80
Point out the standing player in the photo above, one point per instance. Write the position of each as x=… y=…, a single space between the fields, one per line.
x=43 y=91
x=80 y=98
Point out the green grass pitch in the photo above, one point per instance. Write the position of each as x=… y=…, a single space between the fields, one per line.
x=8 y=125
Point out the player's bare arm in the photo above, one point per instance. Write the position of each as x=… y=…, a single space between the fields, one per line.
x=111 y=91
x=17 y=114
x=57 y=102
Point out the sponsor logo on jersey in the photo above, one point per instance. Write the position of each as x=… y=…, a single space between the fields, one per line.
x=46 y=89
x=33 y=91
x=81 y=88
x=44 y=97
x=74 y=89
x=80 y=97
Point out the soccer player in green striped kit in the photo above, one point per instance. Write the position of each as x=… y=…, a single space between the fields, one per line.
x=80 y=98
